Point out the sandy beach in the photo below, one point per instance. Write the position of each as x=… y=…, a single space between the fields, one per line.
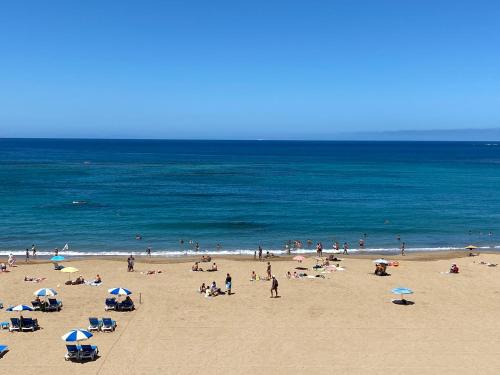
x=345 y=322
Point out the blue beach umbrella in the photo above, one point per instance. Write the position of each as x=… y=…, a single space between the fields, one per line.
x=402 y=292
x=20 y=308
x=119 y=291
x=57 y=258
x=76 y=335
x=45 y=292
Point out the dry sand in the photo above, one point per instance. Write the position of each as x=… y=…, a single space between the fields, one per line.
x=344 y=323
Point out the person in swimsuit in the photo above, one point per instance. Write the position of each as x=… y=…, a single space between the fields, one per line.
x=274 y=287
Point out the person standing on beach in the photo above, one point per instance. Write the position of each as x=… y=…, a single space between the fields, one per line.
x=228 y=284
x=148 y=252
x=269 y=270
x=319 y=249
x=56 y=251
x=336 y=246
x=403 y=245
x=274 y=287
x=197 y=247
x=27 y=255
x=260 y=252
x=346 y=247
x=33 y=249
x=130 y=263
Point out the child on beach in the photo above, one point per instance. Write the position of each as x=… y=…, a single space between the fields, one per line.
x=228 y=284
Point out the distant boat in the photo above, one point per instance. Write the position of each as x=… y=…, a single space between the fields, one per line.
x=79 y=202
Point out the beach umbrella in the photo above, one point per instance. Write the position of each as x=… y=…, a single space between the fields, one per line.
x=299 y=258
x=471 y=247
x=76 y=335
x=21 y=308
x=69 y=271
x=57 y=258
x=119 y=291
x=402 y=292
x=45 y=292
x=381 y=261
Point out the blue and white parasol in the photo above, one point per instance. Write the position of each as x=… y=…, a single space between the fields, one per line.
x=77 y=335
x=119 y=291
x=45 y=292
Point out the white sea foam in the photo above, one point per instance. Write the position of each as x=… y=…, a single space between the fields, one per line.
x=178 y=253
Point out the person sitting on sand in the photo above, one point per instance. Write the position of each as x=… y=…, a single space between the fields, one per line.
x=97 y=279
x=196 y=268
x=203 y=288
x=12 y=260
x=380 y=269
x=253 y=276
x=454 y=268
x=206 y=258
x=288 y=275
x=213 y=268
x=3 y=267
x=79 y=280
x=295 y=275
x=214 y=291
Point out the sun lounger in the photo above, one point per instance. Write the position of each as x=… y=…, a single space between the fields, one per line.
x=54 y=305
x=88 y=352
x=125 y=306
x=110 y=304
x=3 y=349
x=15 y=324
x=36 y=305
x=108 y=325
x=29 y=324
x=95 y=324
x=73 y=352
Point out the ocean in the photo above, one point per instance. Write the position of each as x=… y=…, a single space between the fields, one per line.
x=98 y=195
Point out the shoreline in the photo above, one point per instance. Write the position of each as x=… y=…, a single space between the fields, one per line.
x=160 y=259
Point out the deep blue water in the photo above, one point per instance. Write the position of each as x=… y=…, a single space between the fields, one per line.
x=243 y=193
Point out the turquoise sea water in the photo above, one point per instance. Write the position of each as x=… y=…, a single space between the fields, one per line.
x=245 y=193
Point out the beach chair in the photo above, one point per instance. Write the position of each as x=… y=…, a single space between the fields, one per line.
x=125 y=306
x=110 y=304
x=95 y=324
x=15 y=324
x=29 y=324
x=54 y=305
x=73 y=352
x=3 y=349
x=108 y=325
x=37 y=306
x=88 y=352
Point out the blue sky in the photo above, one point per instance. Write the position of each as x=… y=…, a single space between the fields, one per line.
x=246 y=69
